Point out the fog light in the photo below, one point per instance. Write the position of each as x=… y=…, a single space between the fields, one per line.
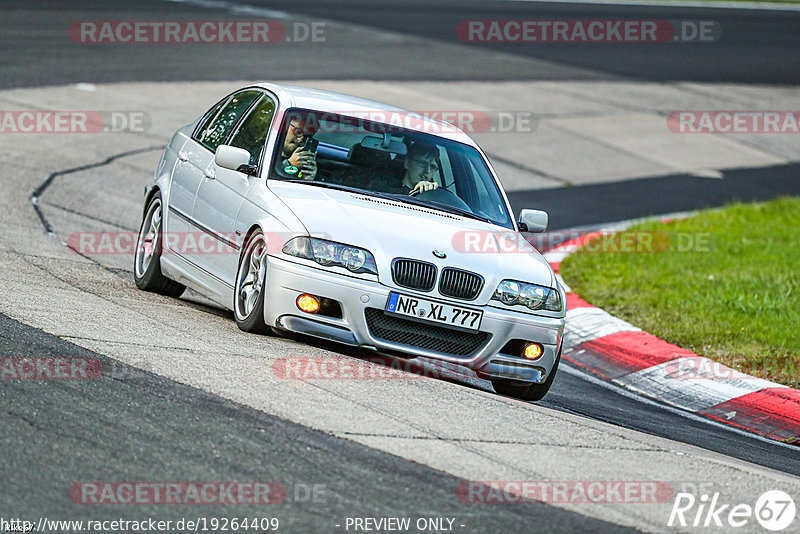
x=533 y=351
x=308 y=303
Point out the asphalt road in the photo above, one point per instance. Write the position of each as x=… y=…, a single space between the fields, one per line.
x=619 y=201
x=132 y=425
x=35 y=50
x=146 y=426
x=751 y=47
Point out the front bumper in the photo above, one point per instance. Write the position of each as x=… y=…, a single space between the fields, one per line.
x=286 y=280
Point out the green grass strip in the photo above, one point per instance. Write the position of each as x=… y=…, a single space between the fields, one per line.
x=722 y=283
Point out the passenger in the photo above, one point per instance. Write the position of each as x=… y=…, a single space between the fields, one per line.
x=296 y=162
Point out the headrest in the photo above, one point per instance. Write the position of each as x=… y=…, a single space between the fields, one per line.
x=368 y=157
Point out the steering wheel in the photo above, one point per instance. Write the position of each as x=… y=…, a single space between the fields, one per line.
x=442 y=196
x=416 y=192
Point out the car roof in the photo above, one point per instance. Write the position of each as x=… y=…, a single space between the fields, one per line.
x=291 y=96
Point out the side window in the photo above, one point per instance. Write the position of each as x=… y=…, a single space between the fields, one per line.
x=252 y=134
x=218 y=128
x=484 y=198
x=209 y=116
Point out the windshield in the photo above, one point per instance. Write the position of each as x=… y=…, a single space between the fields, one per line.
x=386 y=160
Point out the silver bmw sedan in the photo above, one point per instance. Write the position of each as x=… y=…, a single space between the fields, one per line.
x=357 y=222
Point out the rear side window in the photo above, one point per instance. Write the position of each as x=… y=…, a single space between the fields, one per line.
x=252 y=134
x=209 y=116
x=219 y=126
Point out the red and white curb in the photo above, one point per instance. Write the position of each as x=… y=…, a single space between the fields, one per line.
x=625 y=355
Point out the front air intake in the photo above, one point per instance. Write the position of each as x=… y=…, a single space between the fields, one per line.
x=414 y=274
x=460 y=284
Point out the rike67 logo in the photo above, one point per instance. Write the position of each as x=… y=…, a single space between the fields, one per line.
x=774 y=510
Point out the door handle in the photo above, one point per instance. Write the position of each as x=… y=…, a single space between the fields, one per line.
x=183 y=156
x=210 y=174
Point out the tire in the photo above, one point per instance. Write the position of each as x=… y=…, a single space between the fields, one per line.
x=147 y=257
x=527 y=392
x=248 y=298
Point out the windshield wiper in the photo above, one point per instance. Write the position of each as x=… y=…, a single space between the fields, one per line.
x=326 y=185
x=379 y=194
x=465 y=213
x=438 y=206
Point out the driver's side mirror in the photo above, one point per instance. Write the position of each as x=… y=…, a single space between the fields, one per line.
x=533 y=221
x=234 y=159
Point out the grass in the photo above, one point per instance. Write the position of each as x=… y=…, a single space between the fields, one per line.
x=723 y=283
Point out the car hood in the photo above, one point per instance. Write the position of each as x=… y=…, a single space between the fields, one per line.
x=391 y=229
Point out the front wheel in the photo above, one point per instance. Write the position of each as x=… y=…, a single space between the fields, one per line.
x=147 y=258
x=248 y=305
x=527 y=392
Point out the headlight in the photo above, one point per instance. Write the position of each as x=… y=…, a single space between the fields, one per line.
x=511 y=292
x=353 y=258
x=507 y=292
x=324 y=252
x=331 y=254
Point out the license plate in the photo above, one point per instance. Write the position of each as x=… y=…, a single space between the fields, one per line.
x=434 y=312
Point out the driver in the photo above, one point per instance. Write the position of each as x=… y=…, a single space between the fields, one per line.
x=295 y=161
x=421 y=165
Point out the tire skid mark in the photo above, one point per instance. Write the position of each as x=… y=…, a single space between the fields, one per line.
x=41 y=188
